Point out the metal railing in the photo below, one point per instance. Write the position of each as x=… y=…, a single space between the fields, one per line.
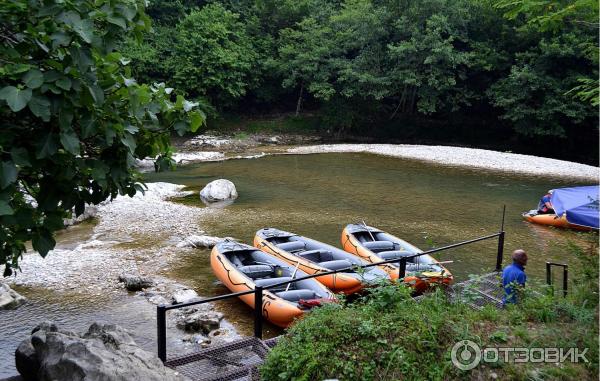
x=565 y=275
x=258 y=290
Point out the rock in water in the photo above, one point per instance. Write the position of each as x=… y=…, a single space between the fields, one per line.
x=105 y=352
x=201 y=321
x=218 y=190
x=184 y=296
x=135 y=282
x=200 y=241
x=9 y=298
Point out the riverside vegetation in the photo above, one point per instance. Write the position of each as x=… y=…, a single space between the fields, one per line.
x=387 y=335
x=515 y=75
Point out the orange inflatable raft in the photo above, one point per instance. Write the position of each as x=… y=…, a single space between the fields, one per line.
x=314 y=257
x=552 y=220
x=242 y=267
x=374 y=245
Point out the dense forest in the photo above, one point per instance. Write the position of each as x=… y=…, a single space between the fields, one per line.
x=513 y=75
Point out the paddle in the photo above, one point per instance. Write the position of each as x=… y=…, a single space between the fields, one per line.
x=293 y=275
x=368 y=230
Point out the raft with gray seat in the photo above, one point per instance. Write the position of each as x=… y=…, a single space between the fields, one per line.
x=374 y=246
x=313 y=257
x=243 y=267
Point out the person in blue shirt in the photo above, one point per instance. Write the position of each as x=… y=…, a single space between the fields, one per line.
x=545 y=204
x=513 y=276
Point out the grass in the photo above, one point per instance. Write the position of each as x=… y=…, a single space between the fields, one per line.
x=386 y=335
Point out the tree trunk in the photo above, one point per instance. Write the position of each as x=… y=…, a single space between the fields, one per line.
x=299 y=103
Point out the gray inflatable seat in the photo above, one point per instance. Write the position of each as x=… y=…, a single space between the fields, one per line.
x=295 y=295
x=379 y=245
x=271 y=281
x=336 y=265
x=256 y=271
x=317 y=255
x=394 y=254
x=292 y=246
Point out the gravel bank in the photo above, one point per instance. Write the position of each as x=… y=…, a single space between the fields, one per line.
x=467 y=157
x=134 y=235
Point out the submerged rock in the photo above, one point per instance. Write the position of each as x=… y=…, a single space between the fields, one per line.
x=199 y=241
x=184 y=296
x=200 y=321
x=135 y=282
x=219 y=190
x=104 y=352
x=9 y=298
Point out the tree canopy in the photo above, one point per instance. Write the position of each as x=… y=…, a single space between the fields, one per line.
x=526 y=66
x=74 y=118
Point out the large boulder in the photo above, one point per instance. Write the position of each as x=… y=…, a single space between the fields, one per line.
x=104 y=352
x=9 y=298
x=219 y=190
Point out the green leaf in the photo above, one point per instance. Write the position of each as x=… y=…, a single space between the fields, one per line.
x=96 y=93
x=129 y=141
x=64 y=83
x=180 y=127
x=196 y=121
x=88 y=126
x=47 y=147
x=43 y=242
x=20 y=156
x=119 y=21
x=70 y=141
x=8 y=174
x=85 y=29
x=15 y=98
x=60 y=39
x=5 y=209
x=40 y=107
x=33 y=79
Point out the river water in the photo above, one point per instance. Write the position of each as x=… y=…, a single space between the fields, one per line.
x=317 y=195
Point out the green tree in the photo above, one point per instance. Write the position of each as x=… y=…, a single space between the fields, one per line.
x=214 y=57
x=74 y=120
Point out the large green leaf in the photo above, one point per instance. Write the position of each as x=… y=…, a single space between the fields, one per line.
x=20 y=156
x=70 y=141
x=47 y=146
x=85 y=29
x=43 y=242
x=15 y=98
x=33 y=79
x=5 y=209
x=40 y=107
x=129 y=141
x=196 y=121
x=8 y=174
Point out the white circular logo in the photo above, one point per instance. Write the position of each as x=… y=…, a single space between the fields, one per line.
x=466 y=355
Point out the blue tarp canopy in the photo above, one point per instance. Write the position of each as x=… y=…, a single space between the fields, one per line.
x=579 y=203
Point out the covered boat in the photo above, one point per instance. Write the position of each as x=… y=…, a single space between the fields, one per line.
x=575 y=208
x=242 y=267
x=314 y=257
x=374 y=245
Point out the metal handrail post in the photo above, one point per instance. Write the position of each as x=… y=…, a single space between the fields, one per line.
x=161 y=332
x=258 y=298
x=402 y=268
x=565 y=280
x=500 y=254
